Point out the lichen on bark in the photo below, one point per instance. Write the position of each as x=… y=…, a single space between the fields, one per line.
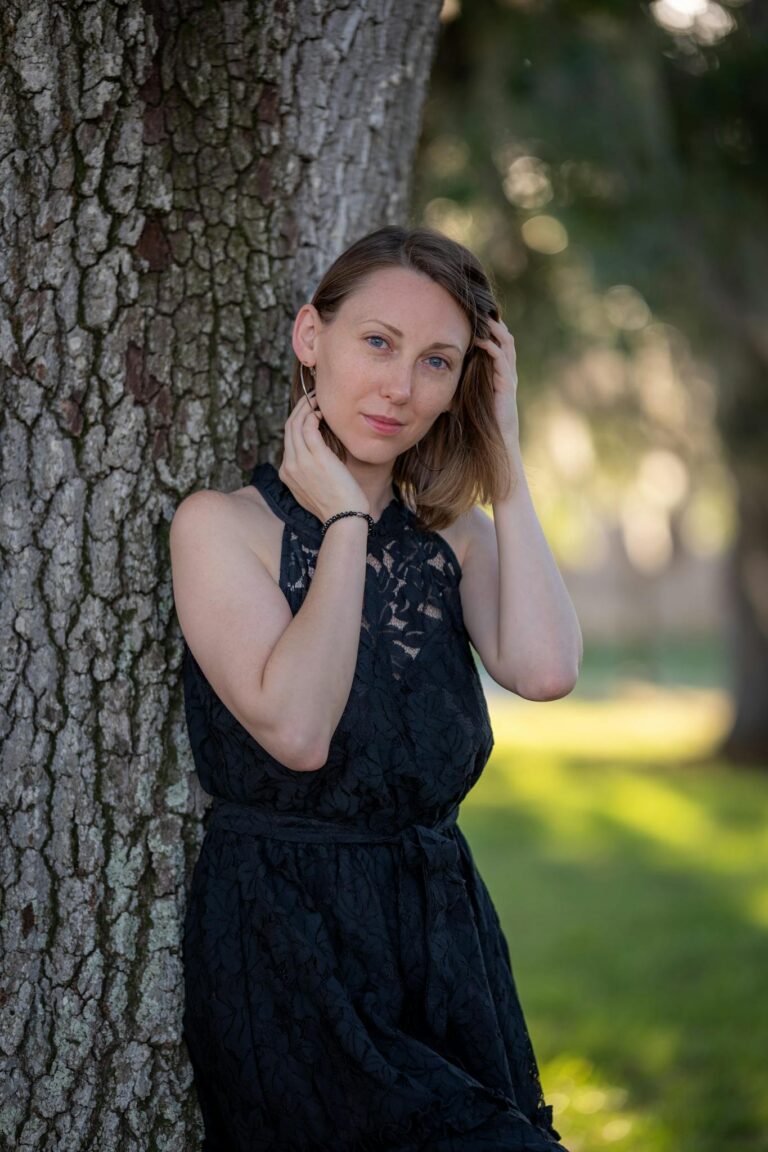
x=172 y=179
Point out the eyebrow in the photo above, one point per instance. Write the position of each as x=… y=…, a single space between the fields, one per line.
x=397 y=332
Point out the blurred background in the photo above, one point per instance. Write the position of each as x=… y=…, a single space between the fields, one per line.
x=607 y=161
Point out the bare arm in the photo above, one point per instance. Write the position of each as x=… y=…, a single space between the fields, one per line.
x=313 y=663
x=518 y=613
x=516 y=605
x=286 y=678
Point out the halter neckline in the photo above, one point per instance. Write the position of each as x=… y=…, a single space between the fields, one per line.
x=281 y=499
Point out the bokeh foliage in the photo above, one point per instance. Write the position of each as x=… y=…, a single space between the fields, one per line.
x=604 y=160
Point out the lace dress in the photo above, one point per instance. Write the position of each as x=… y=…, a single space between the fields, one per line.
x=348 y=986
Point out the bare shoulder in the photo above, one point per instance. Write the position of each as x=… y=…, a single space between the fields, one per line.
x=468 y=531
x=207 y=509
x=241 y=517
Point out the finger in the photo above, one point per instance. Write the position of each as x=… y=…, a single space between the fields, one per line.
x=502 y=333
x=298 y=436
x=301 y=403
x=307 y=430
x=292 y=437
x=491 y=347
x=289 y=450
x=315 y=407
x=311 y=429
x=312 y=405
x=293 y=440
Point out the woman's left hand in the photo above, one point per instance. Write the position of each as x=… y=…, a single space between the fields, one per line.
x=504 y=377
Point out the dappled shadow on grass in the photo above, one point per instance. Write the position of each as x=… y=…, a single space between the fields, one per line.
x=634 y=897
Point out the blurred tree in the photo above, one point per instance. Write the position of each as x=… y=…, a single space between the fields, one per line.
x=608 y=160
x=173 y=176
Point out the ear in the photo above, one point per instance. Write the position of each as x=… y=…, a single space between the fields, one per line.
x=305 y=329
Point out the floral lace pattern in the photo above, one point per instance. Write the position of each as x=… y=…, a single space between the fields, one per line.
x=348 y=986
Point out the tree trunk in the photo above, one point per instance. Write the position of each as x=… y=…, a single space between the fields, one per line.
x=747 y=577
x=174 y=175
x=735 y=336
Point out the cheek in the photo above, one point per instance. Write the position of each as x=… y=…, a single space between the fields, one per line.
x=345 y=366
x=348 y=379
x=340 y=395
x=429 y=403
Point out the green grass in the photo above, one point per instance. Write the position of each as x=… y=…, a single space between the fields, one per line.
x=632 y=884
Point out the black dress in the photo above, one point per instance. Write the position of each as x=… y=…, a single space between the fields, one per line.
x=348 y=986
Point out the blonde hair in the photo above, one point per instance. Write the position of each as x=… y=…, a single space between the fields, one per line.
x=448 y=472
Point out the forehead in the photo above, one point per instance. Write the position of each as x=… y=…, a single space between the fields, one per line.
x=408 y=300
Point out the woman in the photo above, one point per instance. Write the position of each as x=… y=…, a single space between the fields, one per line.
x=348 y=983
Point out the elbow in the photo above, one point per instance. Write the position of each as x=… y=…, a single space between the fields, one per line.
x=313 y=760
x=288 y=744
x=557 y=689
x=547 y=681
x=557 y=681
x=553 y=687
x=303 y=754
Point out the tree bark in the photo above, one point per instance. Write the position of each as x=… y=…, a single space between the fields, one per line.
x=174 y=175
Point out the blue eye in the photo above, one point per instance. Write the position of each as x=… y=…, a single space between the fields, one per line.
x=441 y=359
x=443 y=363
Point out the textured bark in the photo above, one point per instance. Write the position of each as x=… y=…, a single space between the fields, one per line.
x=173 y=176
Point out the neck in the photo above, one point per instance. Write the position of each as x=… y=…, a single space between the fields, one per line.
x=375 y=481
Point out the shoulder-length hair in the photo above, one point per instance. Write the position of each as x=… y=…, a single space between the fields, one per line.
x=458 y=463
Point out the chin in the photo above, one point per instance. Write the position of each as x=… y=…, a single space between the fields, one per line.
x=352 y=444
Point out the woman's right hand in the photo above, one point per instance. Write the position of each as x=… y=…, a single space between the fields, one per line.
x=316 y=476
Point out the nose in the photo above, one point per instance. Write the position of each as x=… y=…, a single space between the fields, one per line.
x=397 y=383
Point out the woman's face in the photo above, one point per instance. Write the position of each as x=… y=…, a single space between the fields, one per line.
x=364 y=368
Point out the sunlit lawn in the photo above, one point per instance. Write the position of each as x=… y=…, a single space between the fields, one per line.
x=632 y=884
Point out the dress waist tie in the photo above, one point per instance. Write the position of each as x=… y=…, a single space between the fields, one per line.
x=431 y=854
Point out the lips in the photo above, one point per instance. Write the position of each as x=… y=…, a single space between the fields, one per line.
x=383 y=420
x=381 y=427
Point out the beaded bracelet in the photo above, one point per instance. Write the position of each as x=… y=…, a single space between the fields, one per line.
x=338 y=516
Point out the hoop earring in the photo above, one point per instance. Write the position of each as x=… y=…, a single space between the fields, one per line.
x=313 y=372
x=455 y=417
x=449 y=412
